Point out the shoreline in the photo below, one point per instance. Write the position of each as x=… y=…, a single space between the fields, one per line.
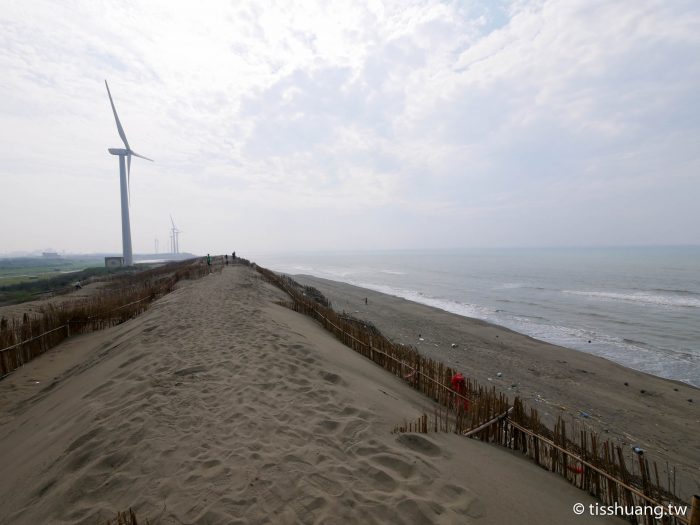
x=599 y=348
x=218 y=405
x=427 y=303
x=634 y=407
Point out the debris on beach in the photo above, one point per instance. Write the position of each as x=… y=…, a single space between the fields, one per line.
x=454 y=345
x=499 y=374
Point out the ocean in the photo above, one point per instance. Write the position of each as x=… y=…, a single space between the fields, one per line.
x=639 y=307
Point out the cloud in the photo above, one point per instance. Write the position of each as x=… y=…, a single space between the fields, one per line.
x=410 y=121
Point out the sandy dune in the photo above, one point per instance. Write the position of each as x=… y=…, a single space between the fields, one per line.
x=632 y=407
x=219 y=406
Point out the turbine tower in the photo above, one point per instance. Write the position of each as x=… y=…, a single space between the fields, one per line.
x=124 y=180
x=175 y=236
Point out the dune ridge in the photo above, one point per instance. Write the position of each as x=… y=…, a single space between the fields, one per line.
x=219 y=406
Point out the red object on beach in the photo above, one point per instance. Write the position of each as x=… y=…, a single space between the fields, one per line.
x=575 y=470
x=459 y=385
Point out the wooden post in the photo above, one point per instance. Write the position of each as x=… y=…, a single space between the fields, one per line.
x=695 y=511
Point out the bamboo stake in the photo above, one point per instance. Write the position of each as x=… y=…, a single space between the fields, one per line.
x=432 y=378
x=694 y=518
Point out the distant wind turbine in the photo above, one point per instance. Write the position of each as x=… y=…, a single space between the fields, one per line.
x=124 y=179
x=175 y=235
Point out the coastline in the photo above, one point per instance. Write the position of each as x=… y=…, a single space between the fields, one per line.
x=649 y=412
x=612 y=303
x=218 y=405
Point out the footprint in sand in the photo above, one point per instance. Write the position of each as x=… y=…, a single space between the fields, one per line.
x=419 y=444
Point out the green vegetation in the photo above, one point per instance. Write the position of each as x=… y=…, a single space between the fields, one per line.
x=22 y=269
x=28 y=278
x=23 y=279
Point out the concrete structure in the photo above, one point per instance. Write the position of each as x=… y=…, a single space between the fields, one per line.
x=114 y=262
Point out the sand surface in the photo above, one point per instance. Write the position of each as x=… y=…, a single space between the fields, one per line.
x=648 y=412
x=219 y=406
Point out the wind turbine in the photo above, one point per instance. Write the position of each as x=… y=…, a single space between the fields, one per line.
x=124 y=179
x=175 y=236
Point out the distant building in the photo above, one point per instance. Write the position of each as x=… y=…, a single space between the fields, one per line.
x=50 y=255
x=114 y=262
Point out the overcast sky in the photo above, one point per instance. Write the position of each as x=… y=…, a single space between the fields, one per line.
x=300 y=125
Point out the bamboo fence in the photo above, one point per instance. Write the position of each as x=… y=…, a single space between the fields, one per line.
x=598 y=466
x=128 y=295
x=125 y=518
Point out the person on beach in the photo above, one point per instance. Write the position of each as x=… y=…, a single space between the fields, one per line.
x=459 y=386
x=226 y=256
x=209 y=262
x=233 y=256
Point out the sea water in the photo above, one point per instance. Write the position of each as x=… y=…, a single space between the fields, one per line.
x=639 y=307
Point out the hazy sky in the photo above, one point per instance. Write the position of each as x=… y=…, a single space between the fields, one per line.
x=300 y=125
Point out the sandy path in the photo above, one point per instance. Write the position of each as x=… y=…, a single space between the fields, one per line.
x=218 y=406
x=649 y=412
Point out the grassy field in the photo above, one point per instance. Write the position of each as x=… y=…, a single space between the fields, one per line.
x=28 y=278
x=25 y=278
x=26 y=269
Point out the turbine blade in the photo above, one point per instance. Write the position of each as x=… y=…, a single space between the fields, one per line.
x=116 y=119
x=128 y=176
x=140 y=156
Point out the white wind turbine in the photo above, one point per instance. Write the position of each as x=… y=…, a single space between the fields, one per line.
x=175 y=235
x=124 y=178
